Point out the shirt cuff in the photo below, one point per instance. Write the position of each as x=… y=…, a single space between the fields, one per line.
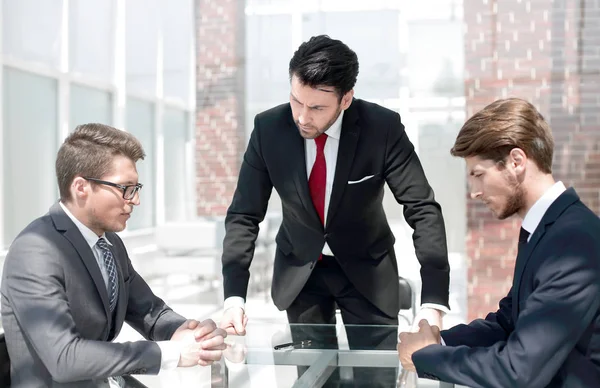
x=170 y=353
x=440 y=307
x=234 y=301
x=442 y=341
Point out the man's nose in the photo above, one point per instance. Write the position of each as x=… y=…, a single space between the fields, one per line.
x=136 y=199
x=304 y=117
x=475 y=194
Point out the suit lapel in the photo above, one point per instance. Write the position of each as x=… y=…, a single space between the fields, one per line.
x=565 y=200
x=523 y=255
x=297 y=154
x=63 y=223
x=347 y=148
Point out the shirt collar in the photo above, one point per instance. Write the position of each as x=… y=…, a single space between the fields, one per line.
x=336 y=128
x=536 y=213
x=90 y=237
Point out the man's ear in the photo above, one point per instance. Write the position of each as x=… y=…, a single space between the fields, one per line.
x=517 y=160
x=347 y=99
x=80 y=188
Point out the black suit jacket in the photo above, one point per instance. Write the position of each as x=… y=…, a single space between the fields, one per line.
x=546 y=332
x=372 y=142
x=56 y=314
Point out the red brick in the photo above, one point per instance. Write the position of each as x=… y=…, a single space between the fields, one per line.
x=569 y=103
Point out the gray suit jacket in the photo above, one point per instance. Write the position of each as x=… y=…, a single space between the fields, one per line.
x=56 y=316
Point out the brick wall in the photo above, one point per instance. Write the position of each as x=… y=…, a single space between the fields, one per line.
x=220 y=135
x=547 y=52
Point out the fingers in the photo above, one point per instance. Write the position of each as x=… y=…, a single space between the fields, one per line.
x=239 y=326
x=423 y=324
x=215 y=341
x=216 y=333
x=195 y=355
x=207 y=357
x=234 y=321
x=403 y=336
x=231 y=331
x=205 y=327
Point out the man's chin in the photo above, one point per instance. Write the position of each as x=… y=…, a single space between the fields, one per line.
x=117 y=228
x=308 y=135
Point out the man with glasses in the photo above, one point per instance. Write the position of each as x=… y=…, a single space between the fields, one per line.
x=68 y=284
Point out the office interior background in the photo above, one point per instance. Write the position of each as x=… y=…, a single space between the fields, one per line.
x=187 y=78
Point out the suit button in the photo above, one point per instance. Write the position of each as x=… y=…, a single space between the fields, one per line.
x=326 y=235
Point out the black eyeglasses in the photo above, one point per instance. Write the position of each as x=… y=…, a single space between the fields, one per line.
x=129 y=191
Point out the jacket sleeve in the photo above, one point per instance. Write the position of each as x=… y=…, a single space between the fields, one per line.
x=247 y=210
x=406 y=179
x=34 y=285
x=553 y=318
x=496 y=327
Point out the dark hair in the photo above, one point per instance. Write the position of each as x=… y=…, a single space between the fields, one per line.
x=89 y=152
x=503 y=125
x=325 y=61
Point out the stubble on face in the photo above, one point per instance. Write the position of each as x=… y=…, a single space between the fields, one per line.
x=319 y=131
x=515 y=201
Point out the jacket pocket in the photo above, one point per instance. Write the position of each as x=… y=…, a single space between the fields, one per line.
x=363 y=179
x=381 y=247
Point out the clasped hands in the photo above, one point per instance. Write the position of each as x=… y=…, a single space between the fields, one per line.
x=410 y=342
x=202 y=342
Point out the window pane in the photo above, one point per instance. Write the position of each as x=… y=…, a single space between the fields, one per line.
x=375 y=41
x=178 y=30
x=175 y=128
x=140 y=123
x=89 y=105
x=30 y=146
x=142 y=23
x=31 y=30
x=436 y=66
x=269 y=48
x=90 y=37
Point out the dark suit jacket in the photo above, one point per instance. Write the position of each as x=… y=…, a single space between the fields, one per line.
x=56 y=315
x=547 y=330
x=372 y=142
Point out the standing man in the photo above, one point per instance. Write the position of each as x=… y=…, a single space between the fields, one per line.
x=546 y=332
x=329 y=155
x=68 y=284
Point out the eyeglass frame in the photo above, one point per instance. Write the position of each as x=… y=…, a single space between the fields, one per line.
x=136 y=190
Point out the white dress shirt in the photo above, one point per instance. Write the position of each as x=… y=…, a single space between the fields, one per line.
x=536 y=213
x=170 y=350
x=331 y=152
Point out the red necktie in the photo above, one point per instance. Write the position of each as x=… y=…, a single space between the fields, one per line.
x=318 y=179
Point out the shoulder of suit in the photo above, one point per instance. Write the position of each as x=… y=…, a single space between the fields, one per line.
x=278 y=112
x=372 y=111
x=39 y=232
x=576 y=220
x=40 y=226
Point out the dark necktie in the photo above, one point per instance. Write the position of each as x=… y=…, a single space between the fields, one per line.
x=111 y=270
x=523 y=236
x=318 y=179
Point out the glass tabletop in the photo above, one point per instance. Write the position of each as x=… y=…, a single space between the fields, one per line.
x=283 y=355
